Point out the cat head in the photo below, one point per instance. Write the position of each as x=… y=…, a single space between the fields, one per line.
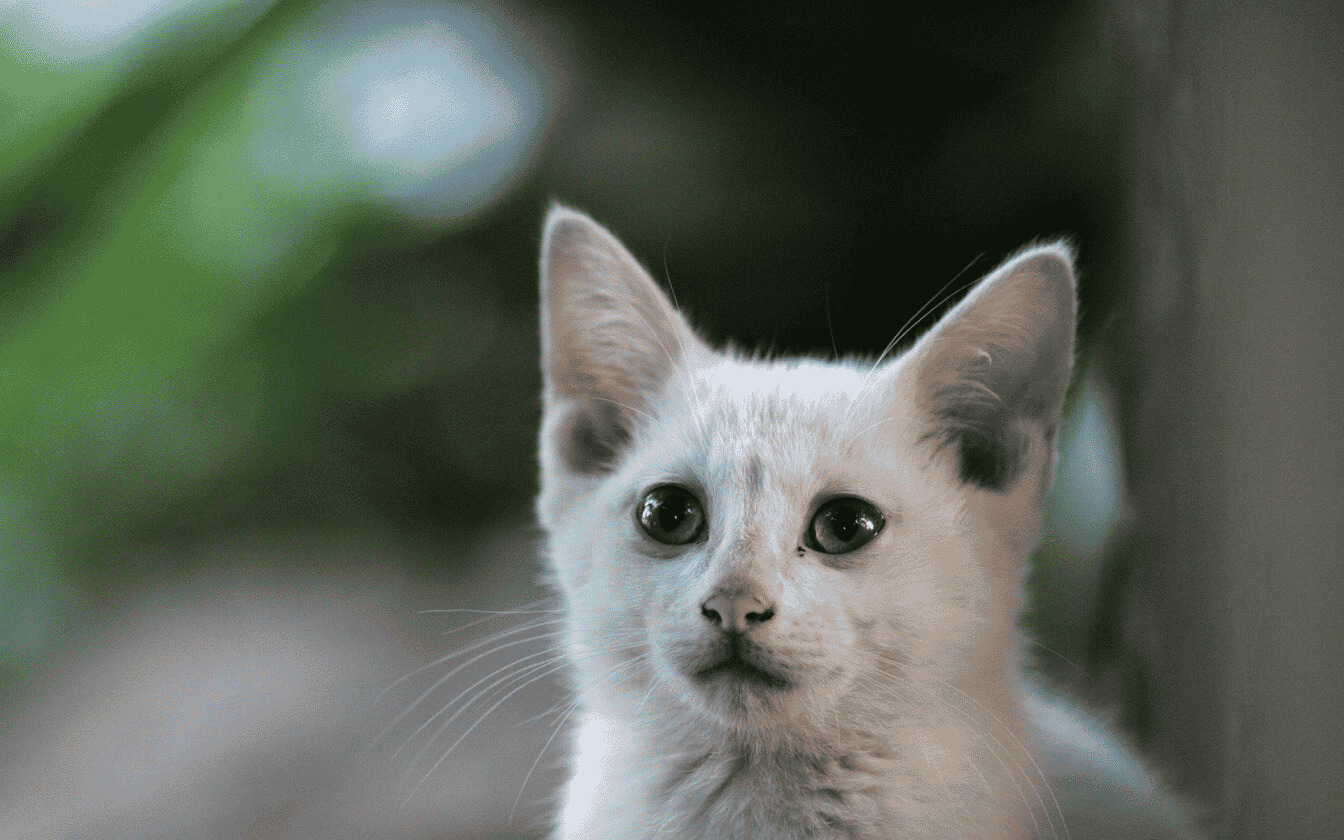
x=762 y=542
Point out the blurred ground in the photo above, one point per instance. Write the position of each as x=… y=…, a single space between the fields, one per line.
x=249 y=705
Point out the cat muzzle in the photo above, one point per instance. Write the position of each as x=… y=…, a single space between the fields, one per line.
x=742 y=662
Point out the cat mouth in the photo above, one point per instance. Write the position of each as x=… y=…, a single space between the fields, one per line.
x=735 y=667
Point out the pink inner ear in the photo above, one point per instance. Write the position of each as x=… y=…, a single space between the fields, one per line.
x=610 y=338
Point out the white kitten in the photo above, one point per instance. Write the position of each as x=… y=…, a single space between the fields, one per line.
x=790 y=586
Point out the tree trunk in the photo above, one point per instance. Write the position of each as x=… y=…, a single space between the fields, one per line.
x=1239 y=205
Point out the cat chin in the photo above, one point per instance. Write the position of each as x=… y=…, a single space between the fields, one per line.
x=743 y=709
x=745 y=706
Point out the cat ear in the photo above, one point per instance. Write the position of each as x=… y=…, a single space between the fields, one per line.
x=610 y=340
x=995 y=368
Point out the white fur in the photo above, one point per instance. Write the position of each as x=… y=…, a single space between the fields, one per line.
x=907 y=716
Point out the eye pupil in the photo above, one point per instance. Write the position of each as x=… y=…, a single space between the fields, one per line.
x=671 y=515
x=843 y=525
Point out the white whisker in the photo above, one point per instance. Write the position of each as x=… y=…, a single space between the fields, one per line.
x=563 y=662
x=558 y=727
x=514 y=671
x=1025 y=751
x=933 y=304
x=471 y=728
x=531 y=625
x=645 y=414
x=446 y=677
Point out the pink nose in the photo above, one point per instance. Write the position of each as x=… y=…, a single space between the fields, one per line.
x=736 y=613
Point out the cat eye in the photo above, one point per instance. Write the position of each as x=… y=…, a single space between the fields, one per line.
x=671 y=514
x=843 y=525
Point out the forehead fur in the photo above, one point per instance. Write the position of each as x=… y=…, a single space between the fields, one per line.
x=733 y=401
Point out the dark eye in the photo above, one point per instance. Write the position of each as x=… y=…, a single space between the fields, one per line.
x=843 y=525
x=671 y=514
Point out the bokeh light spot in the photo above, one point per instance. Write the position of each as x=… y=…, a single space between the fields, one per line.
x=77 y=30
x=439 y=106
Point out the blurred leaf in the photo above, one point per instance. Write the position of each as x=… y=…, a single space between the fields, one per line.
x=62 y=61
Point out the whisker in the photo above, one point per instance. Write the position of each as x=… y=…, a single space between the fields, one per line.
x=512 y=667
x=558 y=727
x=1020 y=769
x=872 y=426
x=524 y=609
x=554 y=711
x=489 y=615
x=556 y=731
x=469 y=730
x=443 y=679
x=697 y=410
x=529 y=625
x=492 y=613
x=927 y=309
x=653 y=684
x=683 y=369
x=544 y=673
x=932 y=305
x=626 y=407
x=557 y=656
x=1025 y=751
x=1062 y=657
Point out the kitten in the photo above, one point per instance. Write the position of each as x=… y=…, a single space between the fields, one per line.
x=790 y=587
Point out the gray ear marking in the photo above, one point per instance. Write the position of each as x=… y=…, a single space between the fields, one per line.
x=592 y=437
x=610 y=340
x=998 y=365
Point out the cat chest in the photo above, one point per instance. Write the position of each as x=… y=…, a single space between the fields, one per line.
x=791 y=798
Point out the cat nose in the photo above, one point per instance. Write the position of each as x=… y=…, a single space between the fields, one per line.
x=736 y=613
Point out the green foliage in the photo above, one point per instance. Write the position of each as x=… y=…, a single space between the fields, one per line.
x=176 y=207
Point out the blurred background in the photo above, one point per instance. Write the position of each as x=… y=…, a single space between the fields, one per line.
x=269 y=381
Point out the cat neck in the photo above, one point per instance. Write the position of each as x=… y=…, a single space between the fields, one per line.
x=852 y=774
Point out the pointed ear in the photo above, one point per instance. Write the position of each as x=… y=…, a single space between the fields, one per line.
x=993 y=371
x=610 y=340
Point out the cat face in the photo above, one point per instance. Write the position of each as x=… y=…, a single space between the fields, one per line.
x=772 y=545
